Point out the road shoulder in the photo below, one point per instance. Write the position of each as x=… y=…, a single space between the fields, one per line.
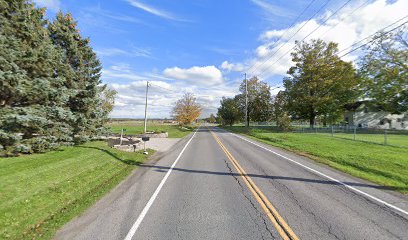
x=382 y=193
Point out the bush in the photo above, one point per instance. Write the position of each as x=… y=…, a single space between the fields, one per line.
x=284 y=122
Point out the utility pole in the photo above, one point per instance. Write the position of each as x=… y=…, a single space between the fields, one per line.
x=246 y=101
x=145 y=119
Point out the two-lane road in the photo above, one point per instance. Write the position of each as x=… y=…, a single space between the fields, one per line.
x=218 y=185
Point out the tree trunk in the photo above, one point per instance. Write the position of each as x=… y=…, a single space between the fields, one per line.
x=312 y=117
x=324 y=121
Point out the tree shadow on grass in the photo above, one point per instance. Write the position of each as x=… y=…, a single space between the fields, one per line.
x=116 y=156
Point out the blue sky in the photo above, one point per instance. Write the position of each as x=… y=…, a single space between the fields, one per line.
x=204 y=46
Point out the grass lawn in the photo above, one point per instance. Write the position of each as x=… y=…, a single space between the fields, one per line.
x=174 y=131
x=39 y=193
x=392 y=139
x=385 y=165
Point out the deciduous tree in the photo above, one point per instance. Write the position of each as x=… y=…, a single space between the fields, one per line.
x=186 y=109
x=259 y=100
x=384 y=70
x=229 y=111
x=319 y=83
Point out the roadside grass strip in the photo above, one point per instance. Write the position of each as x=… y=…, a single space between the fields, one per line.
x=39 y=193
x=384 y=165
x=369 y=196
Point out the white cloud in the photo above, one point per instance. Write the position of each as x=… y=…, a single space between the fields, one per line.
x=209 y=75
x=119 y=17
x=343 y=28
x=53 y=5
x=207 y=82
x=134 y=52
x=236 y=67
x=271 y=9
x=164 y=91
x=153 y=10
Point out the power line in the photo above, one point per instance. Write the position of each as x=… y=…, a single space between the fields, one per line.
x=382 y=34
x=371 y=35
x=303 y=25
x=372 y=40
x=291 y=25
x=348 y=15
x=167 y=89
x=320 y=25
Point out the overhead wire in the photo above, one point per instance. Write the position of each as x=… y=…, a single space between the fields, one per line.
x=371 y=35
x=374 y=38
x=348 y=15
x=298 y=30
x=291 y=25
x=164 y=88
x=314 y=30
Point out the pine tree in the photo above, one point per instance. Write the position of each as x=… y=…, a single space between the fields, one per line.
x=30 y=90
x=50 y=87
x=82 y=70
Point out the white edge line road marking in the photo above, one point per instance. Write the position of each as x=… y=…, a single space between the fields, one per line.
x=326 y=176
x=139 y=220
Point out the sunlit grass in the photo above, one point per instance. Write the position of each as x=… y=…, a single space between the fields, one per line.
x=41 y=192
x=385 y=165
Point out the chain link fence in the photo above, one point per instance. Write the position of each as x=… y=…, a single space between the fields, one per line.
x=391 y=137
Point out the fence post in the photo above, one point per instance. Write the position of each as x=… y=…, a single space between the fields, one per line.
x=354 y=135
x=332 y=131
x=385 y=136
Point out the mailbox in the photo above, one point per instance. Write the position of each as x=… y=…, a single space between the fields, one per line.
x=145 y=139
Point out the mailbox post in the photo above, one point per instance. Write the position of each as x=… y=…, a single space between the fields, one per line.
x=145 y=139
x=121 y=136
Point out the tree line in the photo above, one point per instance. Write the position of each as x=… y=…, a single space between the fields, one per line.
x=320 y=84
x=50 y=88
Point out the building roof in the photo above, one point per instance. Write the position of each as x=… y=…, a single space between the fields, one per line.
x=370 y=104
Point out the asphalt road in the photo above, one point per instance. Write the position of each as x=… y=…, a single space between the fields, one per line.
x=217 y=185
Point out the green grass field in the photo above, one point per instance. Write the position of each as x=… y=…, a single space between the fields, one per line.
x=385 y=165
x=40 y=193
x=392 y=139
x=134 y=127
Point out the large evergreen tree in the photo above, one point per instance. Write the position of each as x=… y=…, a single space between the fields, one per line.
x=83 y=71
x=30 y=89
x=50 y=88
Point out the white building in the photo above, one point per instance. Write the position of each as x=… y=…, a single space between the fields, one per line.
x=368 y=115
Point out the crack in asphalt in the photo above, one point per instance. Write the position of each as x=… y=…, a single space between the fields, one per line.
x=178 y=224
x=249 y=200
x=322 y=224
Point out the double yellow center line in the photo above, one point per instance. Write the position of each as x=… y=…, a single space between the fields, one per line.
x=281 y=226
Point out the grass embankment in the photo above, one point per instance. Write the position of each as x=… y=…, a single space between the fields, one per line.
x=40 y=193
x=384 y=165
x=174 y=131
